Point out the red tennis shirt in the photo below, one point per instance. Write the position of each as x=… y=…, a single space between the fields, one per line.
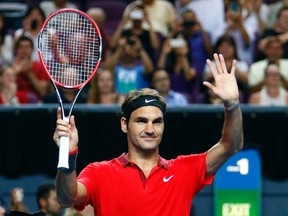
x=119 y=187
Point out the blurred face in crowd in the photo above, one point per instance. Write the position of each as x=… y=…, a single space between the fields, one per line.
x=51 y=205
x=25 y=49
x=283 y=20
x=7 y=77
x=274 y=50
x=105 y=81
x=226 y=49
x=161 y=81
x=272 y=76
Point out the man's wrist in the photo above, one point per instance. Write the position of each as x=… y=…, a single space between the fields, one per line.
x=231 y=105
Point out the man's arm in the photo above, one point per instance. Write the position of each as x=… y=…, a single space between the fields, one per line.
x=232 y=135
x=69 y=191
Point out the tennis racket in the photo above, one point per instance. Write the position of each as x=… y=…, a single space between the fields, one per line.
x=70 y=48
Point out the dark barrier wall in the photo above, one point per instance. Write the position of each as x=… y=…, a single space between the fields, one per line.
x=27 y=148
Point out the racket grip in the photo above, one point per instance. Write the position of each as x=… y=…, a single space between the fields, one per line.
x=63 y=160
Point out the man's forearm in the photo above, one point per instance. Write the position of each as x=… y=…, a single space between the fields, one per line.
x=232 y=135
x=66 y=188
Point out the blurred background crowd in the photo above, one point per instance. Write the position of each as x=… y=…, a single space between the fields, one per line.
x=154 y=43
x=162 y=44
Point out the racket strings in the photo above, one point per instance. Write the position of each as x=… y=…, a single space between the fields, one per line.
x=71 y=48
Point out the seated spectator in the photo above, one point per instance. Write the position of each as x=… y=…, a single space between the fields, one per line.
x=102 y=89
x=148 y=37
x=47 y=200
x=99 y=16
x=9 y=95
x=161 y=14
x=275 y=7
x=131 y=65
x=6 y=43
x=31 y=77
x=161 y=82
x=67 y=95
x=51 y=6
x=226 y=46
x=32 y=23
x=272 y=93
x=175 y=58
x=280 y=30
x=273 y=50
x=17 y=200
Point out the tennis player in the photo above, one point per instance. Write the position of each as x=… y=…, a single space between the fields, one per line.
x=141 y=182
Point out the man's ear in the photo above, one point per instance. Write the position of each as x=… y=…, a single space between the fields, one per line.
x=124 y=124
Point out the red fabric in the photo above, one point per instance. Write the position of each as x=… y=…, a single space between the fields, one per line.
x=23 y=83
x=117 y=187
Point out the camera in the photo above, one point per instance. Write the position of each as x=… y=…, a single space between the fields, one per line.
x=33 y=24
x=131 y=41
x=177 y=42
x=189 y=23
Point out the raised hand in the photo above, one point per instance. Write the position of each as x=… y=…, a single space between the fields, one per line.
x=225 y=86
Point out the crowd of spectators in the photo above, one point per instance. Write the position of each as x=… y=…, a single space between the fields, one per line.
x=175 y=37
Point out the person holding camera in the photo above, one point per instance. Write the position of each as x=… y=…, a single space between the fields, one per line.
x=131 y=65
x=148 y=37
x=32 y=23
x=175 y=58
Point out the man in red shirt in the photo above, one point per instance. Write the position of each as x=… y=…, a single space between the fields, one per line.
x=141 y=182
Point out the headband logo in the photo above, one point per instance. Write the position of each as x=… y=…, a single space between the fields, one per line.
x=148 y=101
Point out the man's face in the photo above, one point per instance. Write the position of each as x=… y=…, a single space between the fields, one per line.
x=161 y=82
x=145 y=129
x=52 y=206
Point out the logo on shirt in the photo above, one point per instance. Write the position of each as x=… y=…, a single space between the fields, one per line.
x=167 y=179
x=148 y=101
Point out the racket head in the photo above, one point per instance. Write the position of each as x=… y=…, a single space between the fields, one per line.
x=70 y=48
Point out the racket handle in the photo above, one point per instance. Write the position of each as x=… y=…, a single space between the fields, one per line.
x=63 y=160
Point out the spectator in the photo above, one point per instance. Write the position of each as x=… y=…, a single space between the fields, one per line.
x=149 y=38
x=209 y=12
x=31 y=75
x=175 y=58
x=17 y=200
x=243 y=34
x=6 y=43
x=102 y=89
x=226 y=45
x=161 y=82
x=47 y=200
x=131 y=65
x=9 y=95
x=272 y=93
x=161 y=14
x=32 y=23
x=50 y=7
x=274 y=11
x=99 y=16
x=67 y=95
x=199 y=44
x=273 y=51
x=280 y=30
